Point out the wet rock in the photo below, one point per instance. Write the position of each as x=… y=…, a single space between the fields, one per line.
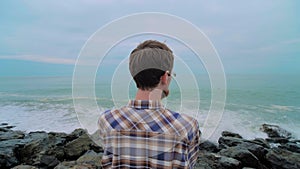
x=261 y=142
x=11 y=134
x=229 y=141
x=277 y=140
x=92 y=158
x=66 y=165
x=9 y=127
x=25 y=167
x=231 y=134
x=8 y=150
x=258 y=150
x=74 y=165
x=75 y=134
x=42 y=149
x=274 y=131
x=48 y=161
x=247 y=158
x=208 y=147
x=30 y=153
x=283 y=159
x=77 y=147
x=294 y=147
x=216 y=161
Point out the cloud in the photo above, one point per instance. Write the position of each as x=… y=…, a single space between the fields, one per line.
x=291 y=41
x=43 y=59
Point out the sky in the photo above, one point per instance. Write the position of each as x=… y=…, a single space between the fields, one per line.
x=44 y=38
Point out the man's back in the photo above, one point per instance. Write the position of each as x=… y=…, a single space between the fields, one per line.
x=144 y=134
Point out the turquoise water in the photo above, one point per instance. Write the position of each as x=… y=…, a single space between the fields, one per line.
x=46 y=103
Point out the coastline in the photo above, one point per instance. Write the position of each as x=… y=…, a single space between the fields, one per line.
x=40 y=149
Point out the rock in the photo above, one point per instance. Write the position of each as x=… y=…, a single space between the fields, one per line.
x=75 y=134
x=215 y=161
x=229 y=141
x=42 y=149
x=9 y=127
x=3 y=124
x=277 y=140
x=24 y=167
x=258 y=150
x=208 y=146
x=8 y=153
x=58 y=138
x=37 y=135
x=247 y=158
x=78 y=147
x=66 y=165
x=261 y=142
x=275 y=131
x=48 y=161
x=10 y=134
x=295 y=141
x=30 y=152
x=97 y=147
x=73 y=165
x=2 y=129
x=92 y=158
x=294 y=147
x=283 y=159
x=230 y=134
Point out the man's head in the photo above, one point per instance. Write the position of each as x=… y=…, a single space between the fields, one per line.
x=149 y=62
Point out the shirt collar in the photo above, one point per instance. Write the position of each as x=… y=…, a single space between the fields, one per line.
x=145 y=104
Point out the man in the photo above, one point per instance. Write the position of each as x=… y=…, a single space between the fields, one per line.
x=144 y=134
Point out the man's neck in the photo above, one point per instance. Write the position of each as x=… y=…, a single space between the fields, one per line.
x=154 y=94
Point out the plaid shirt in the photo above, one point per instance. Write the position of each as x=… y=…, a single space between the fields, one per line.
x=144 y=134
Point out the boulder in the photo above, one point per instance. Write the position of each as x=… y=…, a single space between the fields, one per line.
x=66 y=165
x=274 y=131
x=8 y=153
x=229 y=141
x=261 y=142
x=30 y=152
x=48 y=161
x=258 y=150
x=25 y=167
x=208 y=147
x=77 y=147
x=74 y=165
x=92 y=158
x=11 y=134
x=216 y=161
x=42 y=149
x=75 y=134
x=247 y=158
x=231 y=134
x=294 y=147
x=283 y=159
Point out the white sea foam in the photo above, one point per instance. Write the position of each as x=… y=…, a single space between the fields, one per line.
x=61 y=117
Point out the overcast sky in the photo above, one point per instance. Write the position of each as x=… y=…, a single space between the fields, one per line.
x=45 y=37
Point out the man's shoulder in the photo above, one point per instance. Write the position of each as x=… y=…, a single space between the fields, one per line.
x=105 y=113
x=184 y=118
x=185 y=122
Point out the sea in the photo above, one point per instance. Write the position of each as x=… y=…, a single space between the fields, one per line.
x=45 y=103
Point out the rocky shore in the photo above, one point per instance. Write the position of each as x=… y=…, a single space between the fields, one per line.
x=20 y=150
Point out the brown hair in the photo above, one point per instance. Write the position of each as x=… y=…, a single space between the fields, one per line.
x=149 y=78
x=152 y=44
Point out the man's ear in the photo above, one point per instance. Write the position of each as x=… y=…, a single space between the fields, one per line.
x=164 y=78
